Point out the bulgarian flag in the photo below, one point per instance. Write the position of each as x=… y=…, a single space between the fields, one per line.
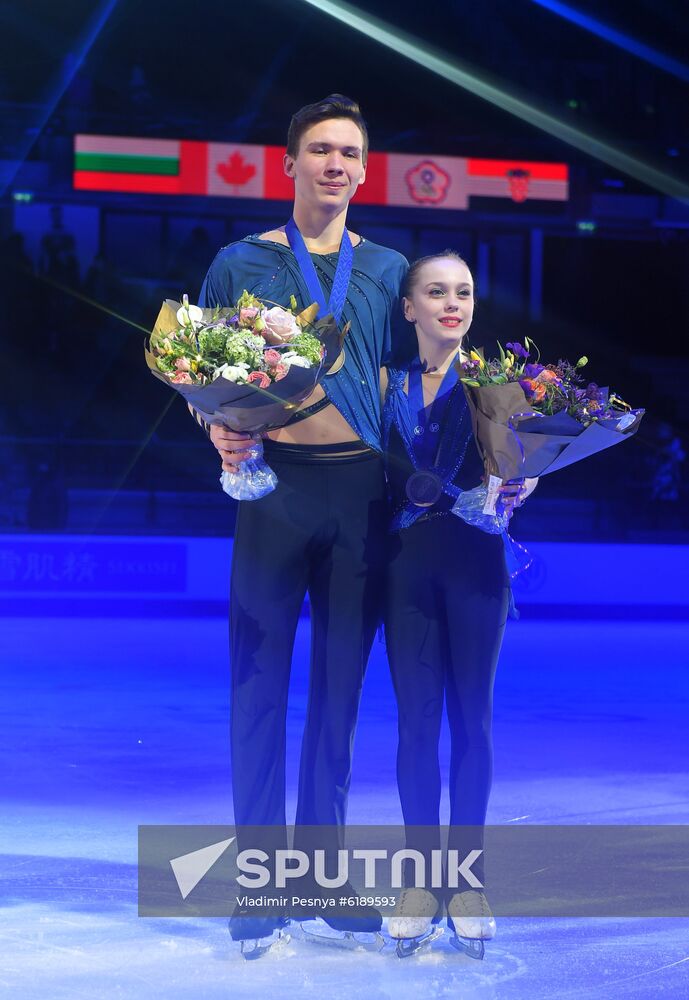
x=155 y=166
x=179 y=166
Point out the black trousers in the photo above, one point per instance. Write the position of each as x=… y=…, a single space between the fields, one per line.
x=447 y=603
x=323 y=530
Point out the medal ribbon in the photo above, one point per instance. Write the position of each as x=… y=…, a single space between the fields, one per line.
x=425 y=454
x=452 y=439
x=343 y=272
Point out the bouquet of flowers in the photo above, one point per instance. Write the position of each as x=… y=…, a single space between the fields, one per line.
x=248 y=367
x=530 y=419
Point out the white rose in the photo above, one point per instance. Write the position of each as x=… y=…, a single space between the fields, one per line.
x=189 y=314
x=280 y=327
x=292 y=358
x=233 y=373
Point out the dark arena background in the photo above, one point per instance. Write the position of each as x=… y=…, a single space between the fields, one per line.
x=546 y=142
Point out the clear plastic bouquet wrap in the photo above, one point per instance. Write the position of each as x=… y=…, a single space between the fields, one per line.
x=531 y=419
x=247 y=368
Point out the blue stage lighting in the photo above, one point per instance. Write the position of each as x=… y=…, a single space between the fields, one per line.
x=618 y=38
x=69 y=69
x=408 y=46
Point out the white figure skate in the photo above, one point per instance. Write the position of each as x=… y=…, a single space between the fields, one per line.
x=470 y=918
x=414 y=923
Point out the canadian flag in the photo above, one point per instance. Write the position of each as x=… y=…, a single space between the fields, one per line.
x=235 y=169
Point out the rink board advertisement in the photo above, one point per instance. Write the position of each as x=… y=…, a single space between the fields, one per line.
x=80 y=574
x=304 y=872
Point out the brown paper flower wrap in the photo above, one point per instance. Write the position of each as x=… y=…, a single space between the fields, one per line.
x=530 y=419
x=517 y=444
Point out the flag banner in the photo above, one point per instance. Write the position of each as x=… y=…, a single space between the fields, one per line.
x=242 y=170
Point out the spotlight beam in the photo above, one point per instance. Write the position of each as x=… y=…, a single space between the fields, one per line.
x=451 y=70
x=122 y=478
x=617 y=38
x=69 y=69
x=146 y=439
x=47 y=280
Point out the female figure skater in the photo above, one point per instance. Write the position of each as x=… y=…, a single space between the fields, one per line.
x=447 y=603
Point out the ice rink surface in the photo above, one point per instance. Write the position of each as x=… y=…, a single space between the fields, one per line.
x=112 y=723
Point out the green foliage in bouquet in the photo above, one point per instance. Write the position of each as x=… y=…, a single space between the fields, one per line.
x=307 y=346
x=250 y=343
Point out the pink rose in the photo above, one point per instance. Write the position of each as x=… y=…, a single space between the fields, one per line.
x=272 y=357
x=182 y=378
x=248 y=315
x=280 y=327
x=280 y=371
x=182 y=365
x=261 y=378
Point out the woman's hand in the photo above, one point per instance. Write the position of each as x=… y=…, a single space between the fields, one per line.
x=232 y=446
x=514 y=494
x=527 y=489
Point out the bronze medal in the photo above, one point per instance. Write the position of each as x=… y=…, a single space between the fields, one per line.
x=424 y=488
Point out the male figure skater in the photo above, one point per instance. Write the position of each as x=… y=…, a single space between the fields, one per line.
x=323 y=529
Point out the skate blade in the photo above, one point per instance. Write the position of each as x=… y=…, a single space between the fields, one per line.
x=412 y=946
x=370 y=940
x=473 y=947
x=258 y=947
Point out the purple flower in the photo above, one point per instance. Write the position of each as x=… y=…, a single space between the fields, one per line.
x=533 y=371
x=594 y=391
x=517 y=350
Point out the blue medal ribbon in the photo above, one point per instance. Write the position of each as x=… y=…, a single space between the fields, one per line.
x=343 y=272
x=425 y=486
x=426 y=437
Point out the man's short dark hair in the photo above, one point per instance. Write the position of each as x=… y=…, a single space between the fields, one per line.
x=334 y=106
